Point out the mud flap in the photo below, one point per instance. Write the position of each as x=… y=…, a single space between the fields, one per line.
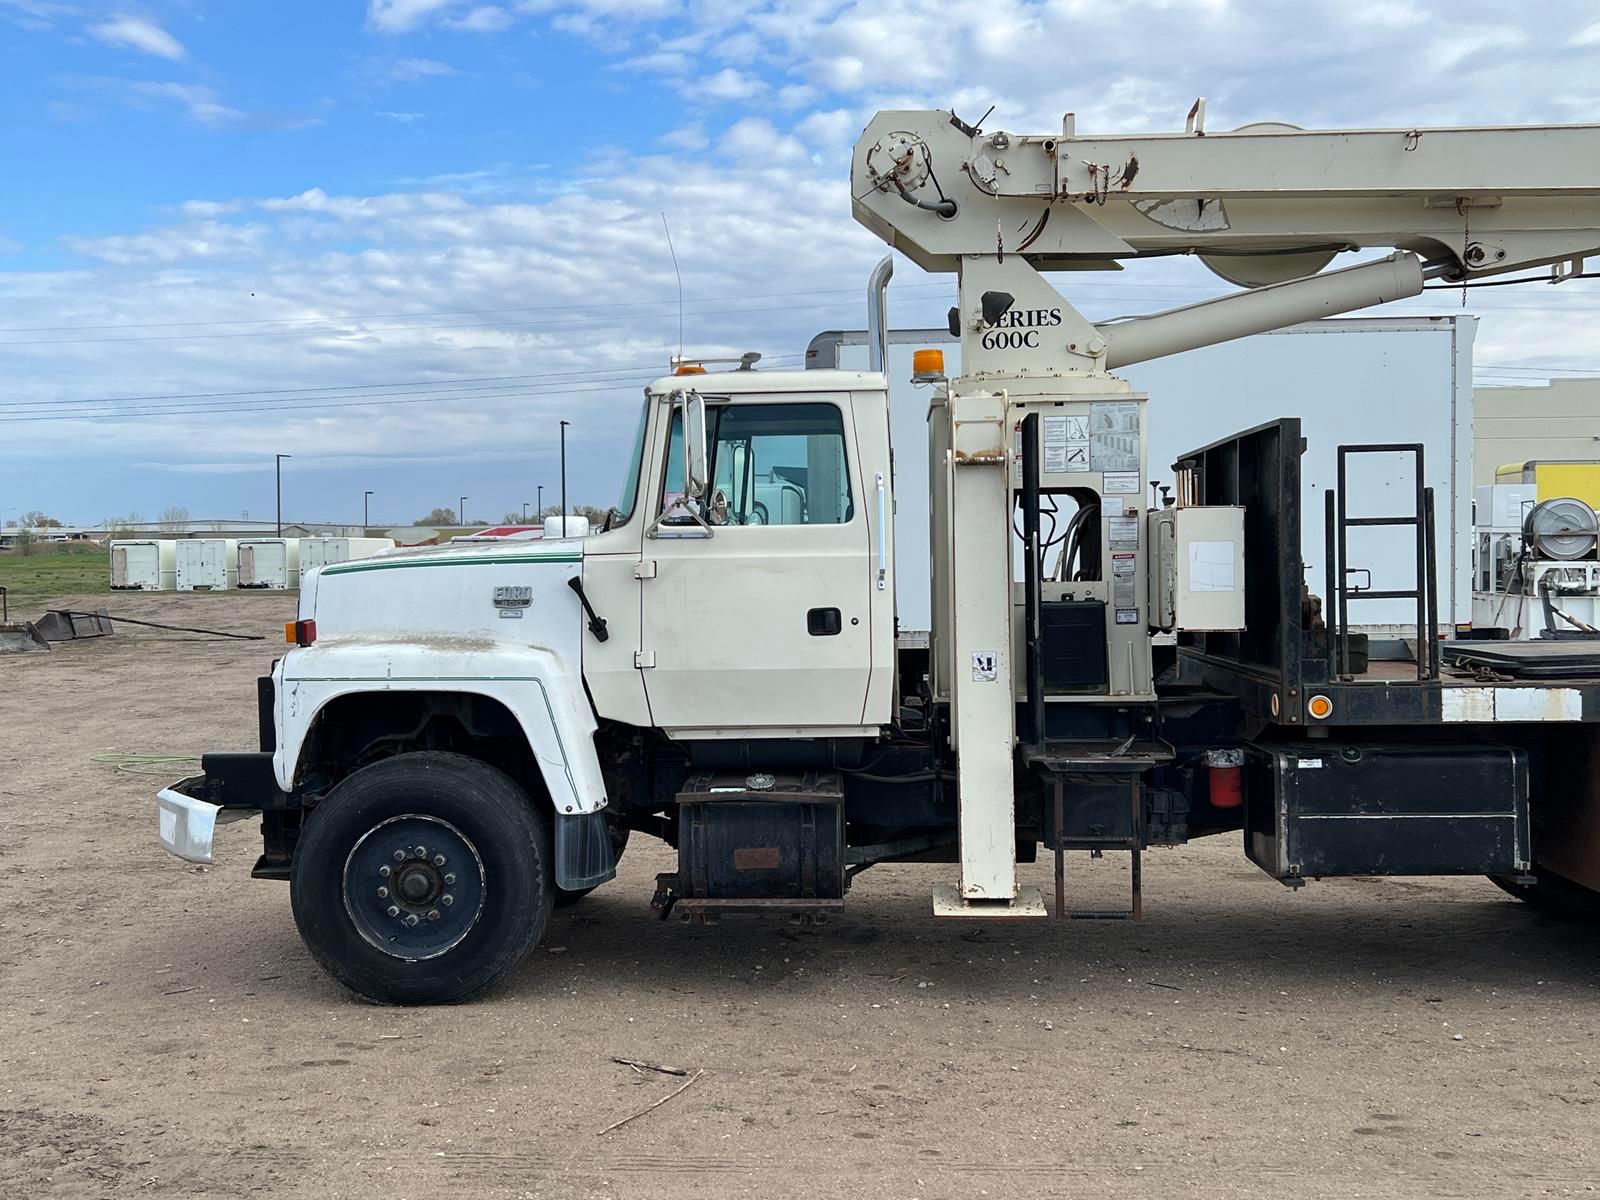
x=584 y=857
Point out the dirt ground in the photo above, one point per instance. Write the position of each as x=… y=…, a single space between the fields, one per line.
x=162 y=1031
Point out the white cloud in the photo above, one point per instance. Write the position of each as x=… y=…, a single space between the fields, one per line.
x=794 y=95
x=405 y=118
x=200 y=102
x=1589 y=35
x=724 y=86
x=486 y=18
x=756 y=139
x=138 y=33
x=405 y=70
x=686 y=137
x=186 y=243
x=402 y=16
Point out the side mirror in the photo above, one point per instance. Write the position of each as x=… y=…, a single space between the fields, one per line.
x=694 y=444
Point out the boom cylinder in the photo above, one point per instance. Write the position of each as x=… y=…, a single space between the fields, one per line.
x=1266 y=308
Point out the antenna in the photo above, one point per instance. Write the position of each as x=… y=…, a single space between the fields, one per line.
x=679 y=274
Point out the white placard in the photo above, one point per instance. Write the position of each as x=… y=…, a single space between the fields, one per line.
x=1125 y=483
x=1211 y=567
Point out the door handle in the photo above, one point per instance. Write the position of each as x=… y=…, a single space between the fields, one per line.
x=824 y=622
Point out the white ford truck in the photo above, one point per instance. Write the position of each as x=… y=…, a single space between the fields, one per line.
x=462 y=738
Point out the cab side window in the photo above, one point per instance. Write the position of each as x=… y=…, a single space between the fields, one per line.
x=770 y=464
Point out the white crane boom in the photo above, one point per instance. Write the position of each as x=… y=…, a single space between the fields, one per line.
x=1262 y=204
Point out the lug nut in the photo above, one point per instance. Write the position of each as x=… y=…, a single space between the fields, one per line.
x=383 y=893
x=411 y=919
x=447 y=899
x=393 y=911
x=399 y=856
x=438 y=860
x=433 y=914
x=450 y=877
x=421 y=852
x=383 y=871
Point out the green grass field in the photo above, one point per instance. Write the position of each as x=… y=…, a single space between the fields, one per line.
x=54 y=571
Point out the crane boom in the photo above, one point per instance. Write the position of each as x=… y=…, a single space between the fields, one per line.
x=1482 y=200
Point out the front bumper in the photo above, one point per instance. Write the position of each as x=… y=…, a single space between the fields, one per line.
x=186 y=824
x=232 y=788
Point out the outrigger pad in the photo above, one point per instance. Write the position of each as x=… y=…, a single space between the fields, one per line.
x=21 y=639
x=63 y=625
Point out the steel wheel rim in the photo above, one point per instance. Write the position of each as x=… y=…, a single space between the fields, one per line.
x=414 y=886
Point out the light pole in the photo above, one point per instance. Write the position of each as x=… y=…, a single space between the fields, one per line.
x=366 y=519
x=541 y=504
x=564 y=425
x=461 y=514
x=277 y=470
x=524 y=512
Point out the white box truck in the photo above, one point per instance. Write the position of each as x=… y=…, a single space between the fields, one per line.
x=206 y=564
x=319 y=552
x=143 y=565
x=270 y=563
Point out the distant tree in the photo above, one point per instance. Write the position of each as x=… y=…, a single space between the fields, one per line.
x=34 y=519
x=122 y=526
x=174 y=519
x=439 y=516
x=25 y=540
x=514 y=517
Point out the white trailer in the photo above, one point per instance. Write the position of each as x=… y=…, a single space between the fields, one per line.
x=1351 y=380
x=206 y=564
x=319 y=552
x=269 y=563
x=143 y=565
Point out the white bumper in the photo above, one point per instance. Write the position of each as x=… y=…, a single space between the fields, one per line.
x=186 y=825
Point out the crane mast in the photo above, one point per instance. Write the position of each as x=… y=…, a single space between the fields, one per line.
x=1267 y=208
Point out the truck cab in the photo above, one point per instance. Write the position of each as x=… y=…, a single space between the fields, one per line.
x=519 y=709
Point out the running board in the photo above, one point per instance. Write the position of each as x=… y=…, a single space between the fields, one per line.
x=948 y=902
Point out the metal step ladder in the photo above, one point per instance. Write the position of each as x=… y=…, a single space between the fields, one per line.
x=1339 y=522
x=1116 y=769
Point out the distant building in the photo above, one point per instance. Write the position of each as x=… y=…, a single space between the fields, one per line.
x=1558 y=421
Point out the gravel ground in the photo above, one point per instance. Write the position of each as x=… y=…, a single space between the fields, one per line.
x=162 y=1031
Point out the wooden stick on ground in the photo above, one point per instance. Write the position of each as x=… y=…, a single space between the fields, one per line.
x=653 y=1107
x=639 y=1064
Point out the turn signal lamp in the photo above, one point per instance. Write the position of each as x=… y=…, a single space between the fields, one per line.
x=1320 y=707
x=300 y=633
x=927 y=366
x=690 y=369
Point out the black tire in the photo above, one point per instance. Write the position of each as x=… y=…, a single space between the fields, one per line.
x=1552 y=894
x=496 y=860
x=619 y=843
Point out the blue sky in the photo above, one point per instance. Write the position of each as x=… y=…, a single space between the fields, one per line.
x=222 y=225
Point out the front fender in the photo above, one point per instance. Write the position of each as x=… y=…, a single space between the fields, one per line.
x=535 y=685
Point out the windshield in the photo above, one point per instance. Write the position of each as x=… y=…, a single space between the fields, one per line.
x=630 y=483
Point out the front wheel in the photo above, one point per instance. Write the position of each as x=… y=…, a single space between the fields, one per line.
x=422 y=879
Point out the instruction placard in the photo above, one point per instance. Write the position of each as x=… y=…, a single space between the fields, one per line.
x=1114 y=437
x=1066 y=443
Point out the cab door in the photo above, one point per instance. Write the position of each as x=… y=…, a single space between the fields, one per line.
x=759 y=617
